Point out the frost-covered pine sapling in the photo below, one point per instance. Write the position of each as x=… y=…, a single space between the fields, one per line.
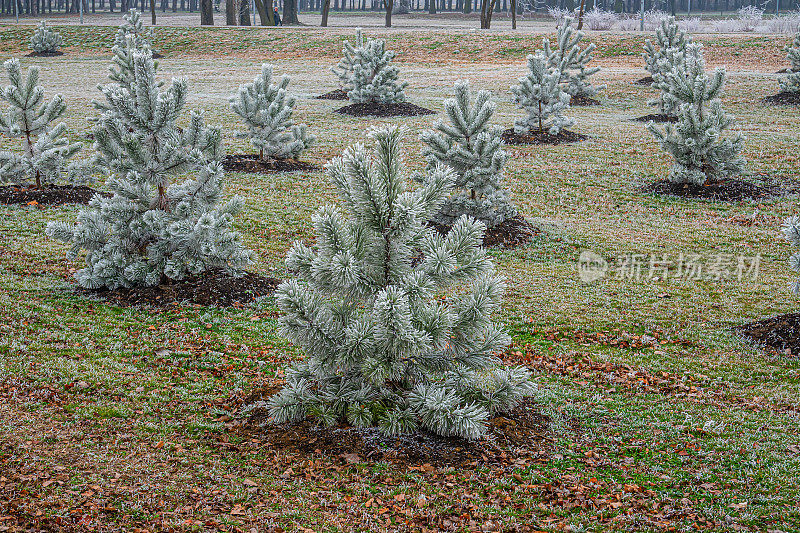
x=45 y=150
x=266 y=110
x=154 y=227
x=473 y=149
x=540 y=95
x=394 y=318
x=571 y=61
x=791 y=82
x=791 y=230
x=132 y=27
x=374 y=79
x=696 y=141
x=344 y=70
x=44 y=40
x=670 y=40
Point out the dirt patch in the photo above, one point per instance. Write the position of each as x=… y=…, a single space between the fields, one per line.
x=583 y=101
x=213 y=288
x=338 y=94
x=50 y=195
x=647 y=80
x=781 y=333
x=510 y=234
x=45 y=54
x=727 y=190
x=783 y=98
x=658 y=118
x=253 y=163
x=374 y=109
x=563 y=137
x=523 y=431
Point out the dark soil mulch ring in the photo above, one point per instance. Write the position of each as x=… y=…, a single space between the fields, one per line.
x=213 y=288
x=156 y=55
x=583 y=101
x=563 y=137
x=780 y=333
x=252 y=163
x=783 y=98
x=727 y=190
x=374 y=109
x=45 y=54
x=50 y=195
x=658 y=118
x=510 y=234
x=338 y=94
x=524 y=428
x=647 y=80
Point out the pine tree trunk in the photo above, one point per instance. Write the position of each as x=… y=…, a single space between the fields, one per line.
x=206 y=12
x=326 y=7
x=153 y=12
x=230 y=13
x=513 y=14
x=389 y=7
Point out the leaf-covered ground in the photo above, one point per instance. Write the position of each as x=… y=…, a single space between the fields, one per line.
x=129 y=419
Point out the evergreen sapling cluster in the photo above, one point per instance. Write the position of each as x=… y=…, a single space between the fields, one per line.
x=696 y=142
x=540 y=95
x=266 y=109
x=791 y=82
x=344 y=70
x=45 y=150
x=473 y=150
x=153 y=228
x=394 y=318
x=367 y=71
x=671 y=40
x=44 y=40
x=571 y=62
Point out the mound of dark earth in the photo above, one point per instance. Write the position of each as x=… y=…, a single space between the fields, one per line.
x=375 y=109
x=48 y=195
x=544 y=137
x=253 y=163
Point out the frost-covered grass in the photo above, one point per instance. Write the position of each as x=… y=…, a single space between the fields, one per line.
x=143 y=395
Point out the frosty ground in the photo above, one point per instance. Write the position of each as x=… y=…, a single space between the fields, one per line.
x=122 y=418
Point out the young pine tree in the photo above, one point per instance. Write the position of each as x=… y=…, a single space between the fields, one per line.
x=473 y=150
x=671 y=40
x=394 y=318
x=133 y=28
x=344 y=70
x=791 y=230
x=266 y=110
x=44 y=40
x=372 y=77
x=696 y=144
x=791 y=82
x=154 y=227
x=540 y=95
x=572 y=62
x=45 y=151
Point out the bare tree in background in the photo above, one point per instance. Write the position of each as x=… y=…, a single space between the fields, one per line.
x=389 y=6
x=206 y=12
x=230 y=12
x=326 y=7
x=487 y=9
x=290 y=12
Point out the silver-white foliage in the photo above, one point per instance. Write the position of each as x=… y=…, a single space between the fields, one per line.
x=791 y=82
x=394 y=319
x=45 y=40
x=266 y=109
x=696 y=141
x=571 y=61
x=791 y=230
x=133 y=28
x=45 y=150
x=670 y=39
x=153 y=226
x=367 y=70
x=541 y=96
x=473 y=149
x=344 y=70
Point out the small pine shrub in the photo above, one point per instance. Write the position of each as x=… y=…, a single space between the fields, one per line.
x=44 y=40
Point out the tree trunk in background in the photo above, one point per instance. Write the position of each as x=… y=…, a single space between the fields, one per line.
x=513 y=14
x=580 y=14
x=389 y=7
x=431 y=7
x=230 y=13
x=290 y=12
x=266 y=20
x=206 y=12
x=326 y=7
x=153 y=12
x=487 y=8
x=244 y=13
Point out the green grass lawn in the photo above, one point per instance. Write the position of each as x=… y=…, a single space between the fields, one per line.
x=125 y=419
